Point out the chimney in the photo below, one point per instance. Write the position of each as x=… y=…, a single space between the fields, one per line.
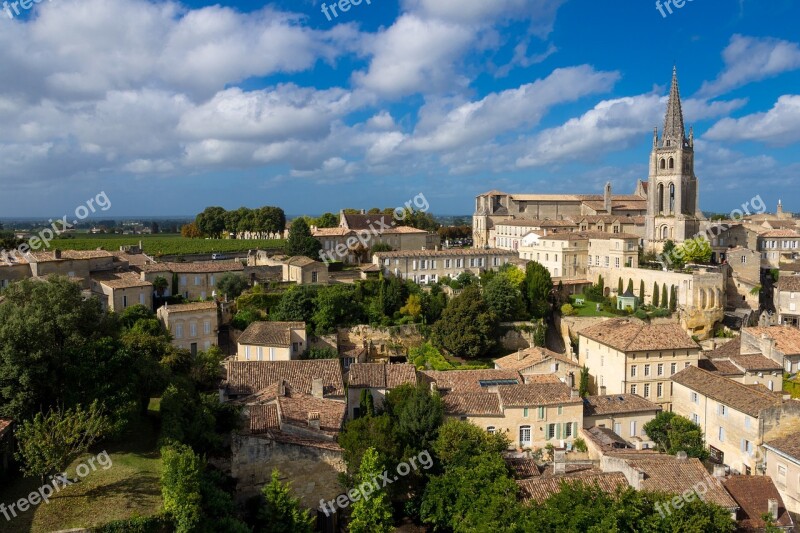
x=317 y=389
x=603 y=390
x=607 y=198
x=520 y=357
x=559 y=462
x=434 y=388
x=313 y=420
x=719 y=471
x=57 y=253
x=681 y=456
x=573 y=393
x=282 y=388
x=772 y=508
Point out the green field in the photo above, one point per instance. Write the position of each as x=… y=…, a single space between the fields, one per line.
x=130 y=487
x=157 y=245
x=588 y=309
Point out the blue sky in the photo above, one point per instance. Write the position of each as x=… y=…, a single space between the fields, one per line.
x=171 y=107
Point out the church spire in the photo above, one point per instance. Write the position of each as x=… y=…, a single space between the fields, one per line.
x=673 y=122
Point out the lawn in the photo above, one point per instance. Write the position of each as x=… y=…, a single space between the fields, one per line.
x=130 y=486
x=588 y=309
x=157 y=245
x=791 y=386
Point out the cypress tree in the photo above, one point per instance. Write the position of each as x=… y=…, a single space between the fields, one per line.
x=641 y=291
x=673 y=299
x=655 y=294
x=664 y=297
x=630 y=286
x=619 y=286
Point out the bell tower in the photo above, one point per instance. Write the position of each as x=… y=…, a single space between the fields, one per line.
x=672 y=196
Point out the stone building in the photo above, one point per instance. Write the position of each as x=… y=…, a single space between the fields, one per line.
x=735 y=418
x=537 y=361
x=782 y=459
x=423 y=266
x=120 y=290
x=193 y=281
x=624 y=414
x=193 y=326
x=787 y=300
x=629 y=356
x=378 y=379
x=272 y=341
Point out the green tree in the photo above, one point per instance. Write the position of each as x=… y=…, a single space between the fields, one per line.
x=467 y=327
x=281 y=512
x=673 y=299
x=673 y=433
x=381 y=247
x=296 y=305
x=48 y=443
x=641 y=292
x=504 y=298
x=697 y=250
x=211 y=222
x=664 y=296
x=301 y=242
x=373 y=514
x=567 y=310
x=335 y=307
x=630 y=286
x=134 y=313
x=619 y=285
x=366 y=405
x=538 y=285
x=327 y=220
x=655 y=294
x=366 y=432
x=180 y=486
x=232 y=285
x=417 y=414
x=160 y=284
x=583 y=387
x=413 y=307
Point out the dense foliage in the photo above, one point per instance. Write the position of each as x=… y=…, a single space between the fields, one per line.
x=673 y=433
x=468 y=327
x=300 y=241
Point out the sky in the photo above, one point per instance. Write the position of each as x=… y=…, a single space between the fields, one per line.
x=171 y=107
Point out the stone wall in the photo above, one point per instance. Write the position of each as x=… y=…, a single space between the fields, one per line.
x=381 y=342
x=313 y=472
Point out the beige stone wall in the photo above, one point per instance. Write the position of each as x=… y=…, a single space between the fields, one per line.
x=180 y=326
x=313 y=472
x=118 y=300
x=12 y=273
x=736 y=426
x=381 y=342
x=247 y=352
x=606 y=367
x=435 y=267
x=785 y=473
x=629 y=424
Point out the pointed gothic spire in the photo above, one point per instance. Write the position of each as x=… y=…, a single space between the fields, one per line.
x=673 y=122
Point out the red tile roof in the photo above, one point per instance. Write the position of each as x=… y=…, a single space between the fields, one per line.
x=536 y=394
x=467 y=380
x=537 y=490
x=726 y=391
x=249 y=377
x=617 y=404
x=529 y=357
x=630 y=335
x=753 y=493
x=472 y=404
x=380 y=375
x=270 y=333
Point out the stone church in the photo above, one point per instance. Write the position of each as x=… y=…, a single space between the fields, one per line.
x=663 y=207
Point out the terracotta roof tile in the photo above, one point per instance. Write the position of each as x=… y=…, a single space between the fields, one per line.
x=380 y=375
x=673 y=475
x=472 y=403
x=732 y=347
x=789 y=283
x=787 y=338
x=723 y=367
x=726 y=391
x=249 y=377
x=5 y=425
x=467 y=380
x=523 y=468
x=297 y=408
x=536 y=394
x=617 y=404
x=755 y=362
x=445 y=253
x=529 y=357
x=198 y=267
x=630 y=335
x=191 y=307
x=264 y=418
x=270 y=333
x=781 y=233
x=537 y=490
x=753 y=493
x=788 y=445
x=120 y=280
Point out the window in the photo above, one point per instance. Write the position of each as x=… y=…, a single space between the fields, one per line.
x=211 y=280
x=660 y=369
x=633 y=371
x=646 y=390
x=694 y=397
x=197 y=280
x=782 y=474
x=178 y=331
x=633 y=389
x=551 y=431
x=633 y=428
x=568 y=430
x=660 y=390
x=183 y=280
x=561 y=409
x=524 y=435
x=606 y=260
x=617 y=428
x=260 y=353
x=315 y=277
x=246 y=353
x=193 y=329
x=722 y=410
x=746 y=446
x=744 y=259
x=124 y=301
x=541 y=413
x=673 y=368
x=525 y=412
x=646 y=370
x=695 y=419
x=272 y=354
x=207 y=327
x=721 y=434
x=141 y=299
x=490 y=430
x=747 y=422
x=687 y=364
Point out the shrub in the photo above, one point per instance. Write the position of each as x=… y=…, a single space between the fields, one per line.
x=580 y=445
x=137 y=524
x=567 y=310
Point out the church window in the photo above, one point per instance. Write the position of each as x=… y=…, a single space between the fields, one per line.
x=661 y=197
x=671 y=196
x=663 y=164
x=671 y=163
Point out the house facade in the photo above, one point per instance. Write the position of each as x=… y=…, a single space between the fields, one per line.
x=782 y=458
x=272 y=341
x=787 y=300
x=627 y=356
x=378 y=379
x=118 y=291
x=429 y=266
x=192 y=326
x=193 y=281
x=624 y=414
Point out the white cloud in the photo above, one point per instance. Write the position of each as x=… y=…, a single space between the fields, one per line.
x=749 y=59
x=779 y=126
